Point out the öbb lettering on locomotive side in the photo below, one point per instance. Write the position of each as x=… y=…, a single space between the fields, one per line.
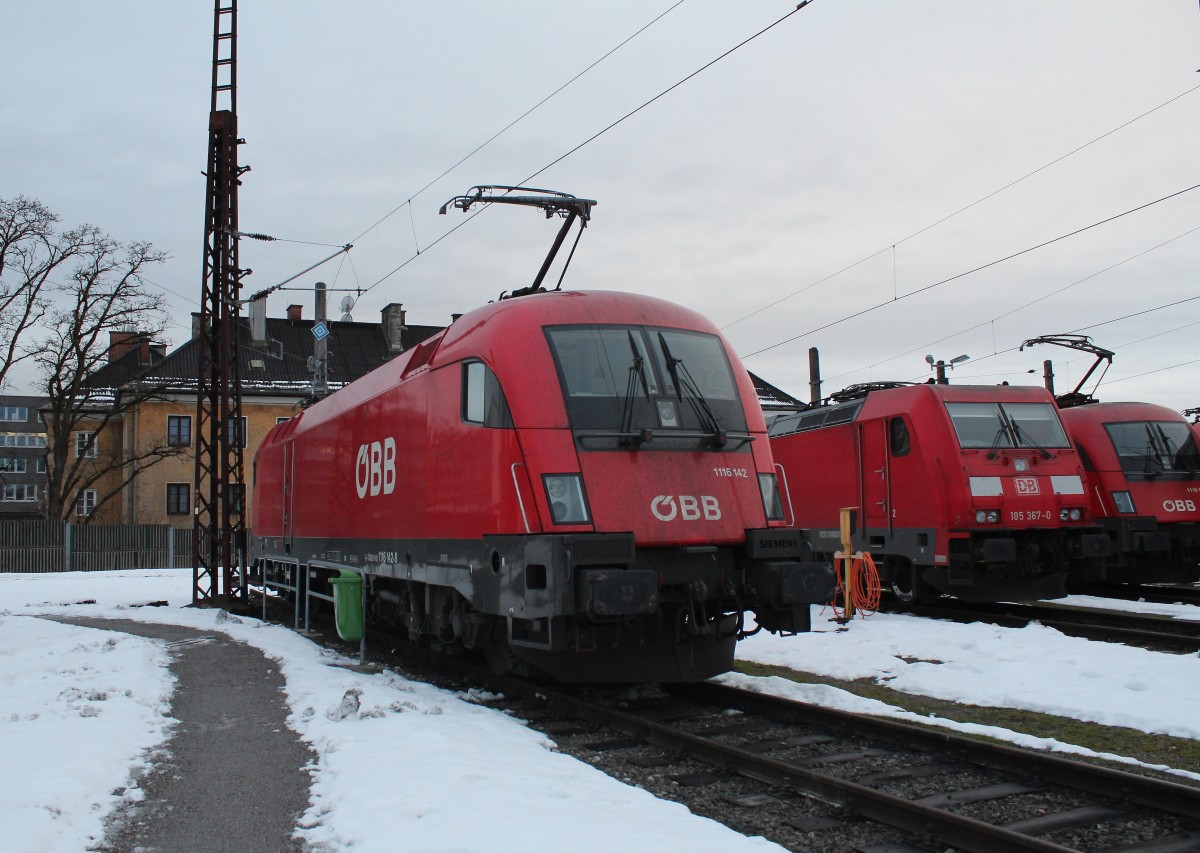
x=576 y=484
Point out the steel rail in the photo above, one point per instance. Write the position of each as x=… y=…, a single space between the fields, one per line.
x=956 y=830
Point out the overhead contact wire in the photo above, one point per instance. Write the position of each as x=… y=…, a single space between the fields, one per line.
x=1009 y=185
x=517 y=120
x=600 y=133
x=952 y=278
x=668 y=90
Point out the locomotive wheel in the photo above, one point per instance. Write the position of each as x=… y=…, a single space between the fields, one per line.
x=499 y=656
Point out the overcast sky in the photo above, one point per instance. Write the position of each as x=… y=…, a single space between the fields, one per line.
x=832 y=141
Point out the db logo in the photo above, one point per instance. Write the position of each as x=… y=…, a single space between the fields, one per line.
x=375 y=469
x=1179 y=506
x=1027 y=485
x=689 y=507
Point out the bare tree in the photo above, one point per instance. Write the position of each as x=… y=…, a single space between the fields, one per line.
x=31 y=251
x=104 y=293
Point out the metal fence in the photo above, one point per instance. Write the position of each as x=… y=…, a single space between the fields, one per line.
x=59 y=546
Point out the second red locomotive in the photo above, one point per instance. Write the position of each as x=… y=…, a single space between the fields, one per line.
x=1143 y=478
x=970 y=491
x=575 y=483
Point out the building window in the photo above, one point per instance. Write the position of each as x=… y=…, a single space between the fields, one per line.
x=85 y=445
x=179 y=430
x=85 y=504
x=14 y=413
x=13 y=464
x=179 y=496
x=23 y=492
x=22 y=439
x=41 y=465
x=282 y=420
x=236 y=429
x=236 y=497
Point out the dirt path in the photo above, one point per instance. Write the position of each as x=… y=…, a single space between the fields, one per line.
x=232 y=776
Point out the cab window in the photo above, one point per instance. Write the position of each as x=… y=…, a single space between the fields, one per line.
x=483 y=401
x=900 y=441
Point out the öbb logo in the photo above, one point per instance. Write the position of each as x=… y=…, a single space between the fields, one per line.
x=1179 y=505
x=375 y=469
x=685 y=507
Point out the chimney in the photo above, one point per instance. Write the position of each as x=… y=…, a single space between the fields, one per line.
x=294 y=312
x=120 y=343
x=393 y=316
x=196 y=324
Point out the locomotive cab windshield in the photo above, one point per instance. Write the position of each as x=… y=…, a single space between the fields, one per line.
x=995 y=426
x=1154 y=448
x=637 y=386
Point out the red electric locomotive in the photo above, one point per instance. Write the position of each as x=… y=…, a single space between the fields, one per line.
x=970 y=491
x=576 y=483
x=1143 y=477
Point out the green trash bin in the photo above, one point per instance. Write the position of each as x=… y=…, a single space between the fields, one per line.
x=348 y=605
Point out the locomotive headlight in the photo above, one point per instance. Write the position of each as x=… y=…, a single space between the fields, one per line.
x=1070 y=514
x=768 y=484
x=1076 y=514
x=987 y=516
x=1062 y=515
x=565 y=495
x=993 y=516
x=1123 y=501
x=980 y=516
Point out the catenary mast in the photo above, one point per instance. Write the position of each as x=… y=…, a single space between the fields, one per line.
x=217 y=527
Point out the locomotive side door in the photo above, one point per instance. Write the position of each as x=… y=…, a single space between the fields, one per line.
x=876 y=508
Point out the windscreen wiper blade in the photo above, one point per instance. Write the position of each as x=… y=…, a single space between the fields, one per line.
x=1026 y=440
x=683 y=381
x=637 y=374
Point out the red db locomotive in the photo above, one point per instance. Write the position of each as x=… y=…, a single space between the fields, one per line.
x=969 y=491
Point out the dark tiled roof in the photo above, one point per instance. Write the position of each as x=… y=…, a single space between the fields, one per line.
x=124 y=368
x=770 y=397
x=281 y=367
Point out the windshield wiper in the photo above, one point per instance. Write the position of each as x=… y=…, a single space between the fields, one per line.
x=1153 y=458
x=1001 y=432
x=1028 y=441
x=683 y=380
x=1175 y=454
x=637 y=374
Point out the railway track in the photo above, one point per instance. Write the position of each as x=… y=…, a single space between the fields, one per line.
x=814 y=779
x=1153 y=632
x=820 y=780
x=1164 y=594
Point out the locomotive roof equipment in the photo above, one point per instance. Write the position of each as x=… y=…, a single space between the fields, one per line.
x=1082 y=343
x=552 y=202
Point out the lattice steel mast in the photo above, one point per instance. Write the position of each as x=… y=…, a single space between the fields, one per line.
x=217 y=528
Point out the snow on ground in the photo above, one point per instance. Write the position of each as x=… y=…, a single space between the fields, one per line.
x=413 y=763
x=67 y=692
